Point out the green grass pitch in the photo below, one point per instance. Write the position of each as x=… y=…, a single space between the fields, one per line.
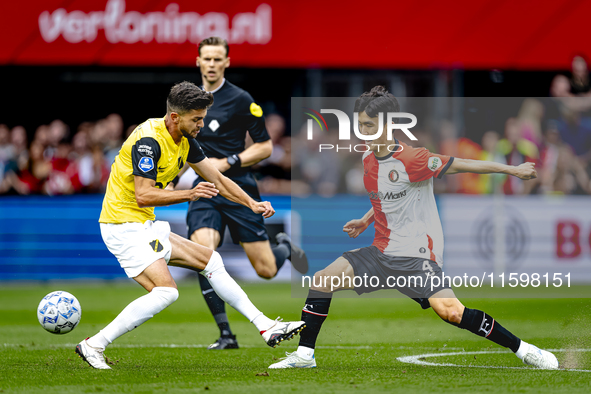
x=357 y=349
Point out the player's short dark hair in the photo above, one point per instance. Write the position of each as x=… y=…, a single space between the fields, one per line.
x=185 y=97
x=377 y=100
x=215 y=41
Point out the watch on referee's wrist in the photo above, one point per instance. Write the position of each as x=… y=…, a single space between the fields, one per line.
x=234 y=161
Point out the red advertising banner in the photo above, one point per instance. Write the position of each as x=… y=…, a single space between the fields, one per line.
x=525 y=34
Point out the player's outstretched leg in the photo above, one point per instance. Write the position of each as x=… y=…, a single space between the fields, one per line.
x=188 y=254
x=217 y=306
x=273 y=332
x=314 y=314
x=136 y=313
x=478 y=322
x=210 y=237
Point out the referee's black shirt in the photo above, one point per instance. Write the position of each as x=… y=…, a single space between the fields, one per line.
x=232 y=114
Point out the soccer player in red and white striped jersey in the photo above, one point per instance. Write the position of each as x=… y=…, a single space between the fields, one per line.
x=408 y=238
x=400 y=188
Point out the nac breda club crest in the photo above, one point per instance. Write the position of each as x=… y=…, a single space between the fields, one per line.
x=156 y=246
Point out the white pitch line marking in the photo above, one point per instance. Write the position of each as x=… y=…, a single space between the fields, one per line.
x=415 y=359
x=202 y=346
x=169 y=345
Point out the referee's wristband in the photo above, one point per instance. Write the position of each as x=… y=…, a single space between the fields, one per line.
x=234 y=161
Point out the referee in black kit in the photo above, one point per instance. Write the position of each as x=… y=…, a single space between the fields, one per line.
x=233 y=113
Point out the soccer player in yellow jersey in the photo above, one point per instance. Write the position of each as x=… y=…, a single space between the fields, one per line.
x=222 y=138
x=151 y=157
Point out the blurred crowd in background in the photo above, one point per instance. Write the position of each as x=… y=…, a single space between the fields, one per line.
x=54 y=160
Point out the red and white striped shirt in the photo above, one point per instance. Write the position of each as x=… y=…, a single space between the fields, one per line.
x=400 y=187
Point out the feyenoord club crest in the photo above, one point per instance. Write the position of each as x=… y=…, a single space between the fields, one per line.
x=393 y=176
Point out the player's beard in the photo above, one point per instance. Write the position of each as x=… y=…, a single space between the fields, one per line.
x=186 y=134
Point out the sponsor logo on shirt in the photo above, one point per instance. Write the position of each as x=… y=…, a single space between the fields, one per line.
x=386 y=196
x=434 y=163
x=393 y=176
x=146 y=164
x=145 y=150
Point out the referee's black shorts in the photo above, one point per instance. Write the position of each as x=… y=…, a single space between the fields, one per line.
x=219 y=212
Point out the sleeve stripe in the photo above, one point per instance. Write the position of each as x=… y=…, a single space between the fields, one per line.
x=444 y=169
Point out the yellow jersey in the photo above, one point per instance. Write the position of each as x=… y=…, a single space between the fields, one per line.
x=149 y=152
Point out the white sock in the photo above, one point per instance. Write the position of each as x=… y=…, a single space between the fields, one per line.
x=305 y=352
x=134 y=314
x=263 y=323
x=98 y=341
x=523 y=348
x=229 y=291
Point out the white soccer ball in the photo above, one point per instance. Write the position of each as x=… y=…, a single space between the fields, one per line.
x=59 y=312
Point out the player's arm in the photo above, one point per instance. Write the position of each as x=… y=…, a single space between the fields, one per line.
x=523 y=171
x=145 y=154
x=255 y=153
x=148 y=195
x=229 y=189
x=250 y=116
x=356 y=226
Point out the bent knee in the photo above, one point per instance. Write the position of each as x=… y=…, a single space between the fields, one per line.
x=451 y=314
x=264 y=267
x=266 y=272
x=454 y=316
x=167 y=294
x=215 y=262
x=321 y=282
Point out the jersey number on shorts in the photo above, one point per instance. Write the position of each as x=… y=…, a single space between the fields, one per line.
x=428 y=269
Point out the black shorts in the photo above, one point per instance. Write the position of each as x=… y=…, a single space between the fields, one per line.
x=219 y=213
x=408 y=275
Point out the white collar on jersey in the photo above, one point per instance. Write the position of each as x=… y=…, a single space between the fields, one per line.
x=218 y=88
